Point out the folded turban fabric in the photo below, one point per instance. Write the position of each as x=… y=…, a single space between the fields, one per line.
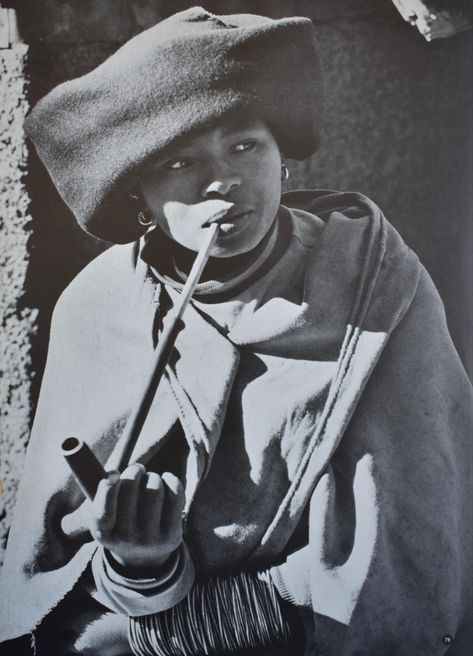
x=95 y=134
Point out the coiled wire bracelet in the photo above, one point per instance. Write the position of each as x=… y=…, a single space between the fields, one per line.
x=223 y=615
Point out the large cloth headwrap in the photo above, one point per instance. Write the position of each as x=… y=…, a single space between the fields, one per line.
x=95 y=134
x=369 y=321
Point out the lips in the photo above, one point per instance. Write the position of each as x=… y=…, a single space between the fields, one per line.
x=235 y=212
x=232 y=214
x=235 y=220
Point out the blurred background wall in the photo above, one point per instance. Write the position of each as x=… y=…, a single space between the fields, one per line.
x=398 y=127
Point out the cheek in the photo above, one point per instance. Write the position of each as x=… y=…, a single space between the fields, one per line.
x=152 y=196
x=267 y=174
x=173 y=217
x=176 y=212
x=165 y=190
x=269 y=185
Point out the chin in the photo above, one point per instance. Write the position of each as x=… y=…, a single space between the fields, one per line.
x=223 y=253
x=238 y=244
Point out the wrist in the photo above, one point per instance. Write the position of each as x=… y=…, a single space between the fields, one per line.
x=144 y=569
x=151 y=592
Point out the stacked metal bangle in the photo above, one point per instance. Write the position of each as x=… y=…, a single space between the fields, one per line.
x=221 y=616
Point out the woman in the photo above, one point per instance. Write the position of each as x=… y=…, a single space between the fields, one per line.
x=300 y=482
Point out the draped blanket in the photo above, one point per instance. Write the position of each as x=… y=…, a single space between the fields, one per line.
x=367 y=368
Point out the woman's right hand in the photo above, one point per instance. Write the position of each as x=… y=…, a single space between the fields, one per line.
x=137 y=516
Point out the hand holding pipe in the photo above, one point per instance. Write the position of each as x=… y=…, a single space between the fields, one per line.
x=86 y=468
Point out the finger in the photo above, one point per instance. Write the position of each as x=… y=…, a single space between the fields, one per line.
x=132 y=482
x=171 y=518
x=134 y=472
x=366 y=511
x=77 y=522
x=153 y=504
x=154 y=482
x=104 y=506
x=319 y=511
x=173 y=485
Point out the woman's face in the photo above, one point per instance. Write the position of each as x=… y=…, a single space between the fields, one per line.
x=230 y=173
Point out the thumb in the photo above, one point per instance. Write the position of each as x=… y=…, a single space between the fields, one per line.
x=76 y=523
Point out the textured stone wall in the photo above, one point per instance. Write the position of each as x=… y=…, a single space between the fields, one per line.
x=18 y=322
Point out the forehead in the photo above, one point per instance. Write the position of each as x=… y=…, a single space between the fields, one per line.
x=237 y=123
x=223 y=129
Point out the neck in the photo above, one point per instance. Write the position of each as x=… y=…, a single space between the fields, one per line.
x=220 y=268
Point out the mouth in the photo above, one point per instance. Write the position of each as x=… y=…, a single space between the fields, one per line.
x=233 y=225
x=234 y=219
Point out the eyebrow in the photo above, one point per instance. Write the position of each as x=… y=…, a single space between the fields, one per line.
x=182 y=149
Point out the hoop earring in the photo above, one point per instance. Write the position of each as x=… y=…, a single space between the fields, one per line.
x=145 y=218
x=284 y=173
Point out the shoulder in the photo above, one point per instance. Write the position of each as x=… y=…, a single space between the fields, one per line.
x=306 y=227
x=103 y=282
x=358 y=257
x=348 y=219
x=322 y=202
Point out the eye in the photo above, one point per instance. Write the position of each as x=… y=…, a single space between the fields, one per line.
x=178 y=164
x=245 y=146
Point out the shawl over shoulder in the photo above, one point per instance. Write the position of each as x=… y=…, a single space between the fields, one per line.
x=399 y=394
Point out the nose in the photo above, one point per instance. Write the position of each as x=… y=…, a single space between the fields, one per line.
x=221 y=186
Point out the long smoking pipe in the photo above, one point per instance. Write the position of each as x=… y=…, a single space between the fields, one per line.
x=85 y=466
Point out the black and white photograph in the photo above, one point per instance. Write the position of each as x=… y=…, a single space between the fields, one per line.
x=236 y=411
